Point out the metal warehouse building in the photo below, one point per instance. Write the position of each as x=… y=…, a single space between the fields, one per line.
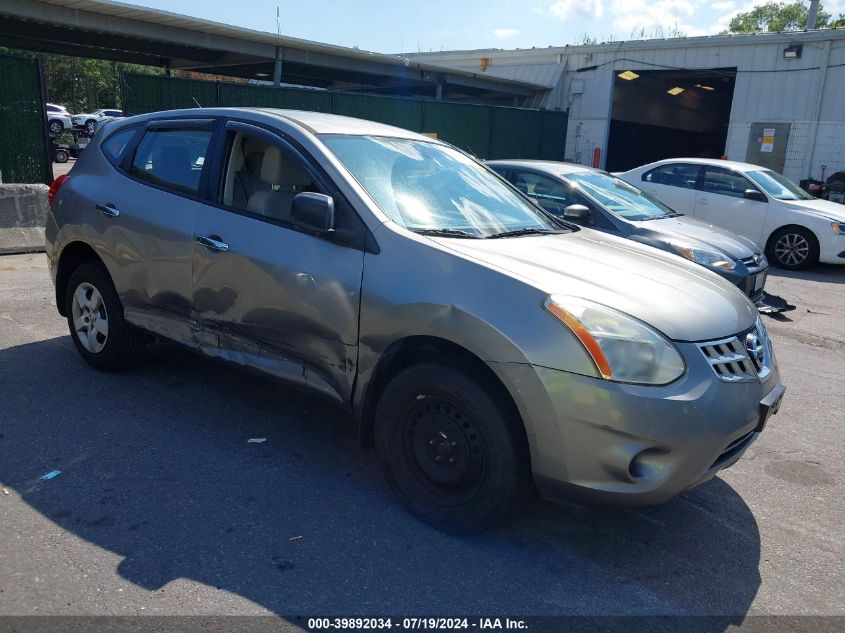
x=776 y=99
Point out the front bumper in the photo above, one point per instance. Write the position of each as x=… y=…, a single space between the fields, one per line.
x=612 y=442
x=750 y=281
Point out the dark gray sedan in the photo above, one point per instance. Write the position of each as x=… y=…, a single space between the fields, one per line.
x=601 y=201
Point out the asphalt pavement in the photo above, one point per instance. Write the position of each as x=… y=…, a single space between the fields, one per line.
x=164 y=507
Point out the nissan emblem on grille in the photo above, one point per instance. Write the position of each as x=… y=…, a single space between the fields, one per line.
x=756 y=351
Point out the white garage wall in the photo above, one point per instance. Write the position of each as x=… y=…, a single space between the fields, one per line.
x=768 y=87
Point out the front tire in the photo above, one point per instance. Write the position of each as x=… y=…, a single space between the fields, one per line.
x=451 y=447
x=793 y=248
x=61 y=156
x=95 y=319
x=56 y=127
x=91 y=127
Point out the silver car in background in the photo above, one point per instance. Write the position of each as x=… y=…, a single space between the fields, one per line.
x=483 y=345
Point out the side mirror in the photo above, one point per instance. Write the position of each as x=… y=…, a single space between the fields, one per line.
x=753 y=194
x=578 y=213
x=313 y=212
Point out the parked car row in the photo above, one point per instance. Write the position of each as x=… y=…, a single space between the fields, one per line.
x=60 y=120
x=490 y=335
x=795 y=229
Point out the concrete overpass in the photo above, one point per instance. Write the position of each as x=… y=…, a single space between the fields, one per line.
x=125 y=33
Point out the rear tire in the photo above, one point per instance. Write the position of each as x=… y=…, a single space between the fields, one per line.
x=793 y=248
x=56 y=127
x=451 y=447
x=95 y=319
x=61 y=156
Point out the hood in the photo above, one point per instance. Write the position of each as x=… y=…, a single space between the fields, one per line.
x=683 y=300
x=686 y=231
x=823 y=208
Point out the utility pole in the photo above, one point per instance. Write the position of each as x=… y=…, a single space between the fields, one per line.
x=814 y=12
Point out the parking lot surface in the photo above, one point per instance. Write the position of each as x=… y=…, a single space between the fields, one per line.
x=163 y=506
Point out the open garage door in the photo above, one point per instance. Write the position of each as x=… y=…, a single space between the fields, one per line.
x=669 y=113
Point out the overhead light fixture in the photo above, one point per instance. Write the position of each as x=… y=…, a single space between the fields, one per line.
x=703 y=87
x=793 y=51
x=675 y=91
x=628 y=75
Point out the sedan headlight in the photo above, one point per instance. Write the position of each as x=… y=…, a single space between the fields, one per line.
x=622 y=348
x=838 y=227
x=713 y=259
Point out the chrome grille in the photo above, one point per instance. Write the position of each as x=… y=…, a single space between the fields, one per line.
x=741 y=358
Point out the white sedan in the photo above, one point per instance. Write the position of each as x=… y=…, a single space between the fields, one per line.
x=795 y=229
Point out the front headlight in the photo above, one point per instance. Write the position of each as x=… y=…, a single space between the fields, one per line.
x=713 y=259
x=622 y=348
x=838 y=227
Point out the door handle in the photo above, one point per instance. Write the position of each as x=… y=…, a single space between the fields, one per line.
x=212 y=243
x=108 y=210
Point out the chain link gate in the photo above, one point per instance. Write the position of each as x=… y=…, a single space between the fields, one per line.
x=24 y=156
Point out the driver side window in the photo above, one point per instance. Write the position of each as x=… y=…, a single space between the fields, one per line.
x=263 y=178
x=550 y=194
x=725 y=182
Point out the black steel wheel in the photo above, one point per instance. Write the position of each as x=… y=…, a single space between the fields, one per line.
x=451 y=447
x=61 y=156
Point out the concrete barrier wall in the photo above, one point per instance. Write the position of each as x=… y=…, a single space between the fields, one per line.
x=23 y=212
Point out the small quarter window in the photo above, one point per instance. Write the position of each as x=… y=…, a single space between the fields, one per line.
x=172 y=158
x=114 y=146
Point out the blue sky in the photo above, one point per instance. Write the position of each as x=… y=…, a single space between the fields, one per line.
x=391 y=26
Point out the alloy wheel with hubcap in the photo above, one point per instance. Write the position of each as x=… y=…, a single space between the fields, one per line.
x=56 y=127
x=95 y=319
x=90 y=318
x=793 y=248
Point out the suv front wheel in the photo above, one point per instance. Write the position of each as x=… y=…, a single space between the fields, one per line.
x=451 y=447
x=95 y=319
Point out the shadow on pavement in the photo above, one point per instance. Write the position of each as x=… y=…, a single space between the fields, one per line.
x=156 y=467
x=827 y=273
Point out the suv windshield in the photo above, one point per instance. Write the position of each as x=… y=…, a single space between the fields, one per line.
x=777 y=186
x=433 y=188
x=618 y=197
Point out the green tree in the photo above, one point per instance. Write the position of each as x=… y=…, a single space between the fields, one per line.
x=777 y=16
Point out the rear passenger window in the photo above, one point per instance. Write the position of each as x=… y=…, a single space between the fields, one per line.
x=172 y=158
x=114 y=146
x=674 y=175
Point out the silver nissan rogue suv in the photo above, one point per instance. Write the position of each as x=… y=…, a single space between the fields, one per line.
x=483 y=345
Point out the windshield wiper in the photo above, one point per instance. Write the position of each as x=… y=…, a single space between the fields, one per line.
x=518 y=232
x=447 y=233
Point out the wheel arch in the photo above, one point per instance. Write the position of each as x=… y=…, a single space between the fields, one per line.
x=769 y=240
x=413 y=349
x=73 y=255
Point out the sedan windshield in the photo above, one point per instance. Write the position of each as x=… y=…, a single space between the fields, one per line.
x=618 y=197
x=777 y=186
x=432 y=188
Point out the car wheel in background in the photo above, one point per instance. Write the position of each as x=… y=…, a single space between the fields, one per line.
x=793 y=248
x=91 y=126
x=95 y=319
x=55 y=126
x=451 y=446
x=61 y=156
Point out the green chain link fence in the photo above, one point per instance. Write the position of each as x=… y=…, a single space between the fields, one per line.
x=485 y=131
x=23 y=137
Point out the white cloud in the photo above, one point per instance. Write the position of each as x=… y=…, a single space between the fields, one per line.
x=726 y=5
x=635 y=17
x=503 y=34
x=565 y=9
